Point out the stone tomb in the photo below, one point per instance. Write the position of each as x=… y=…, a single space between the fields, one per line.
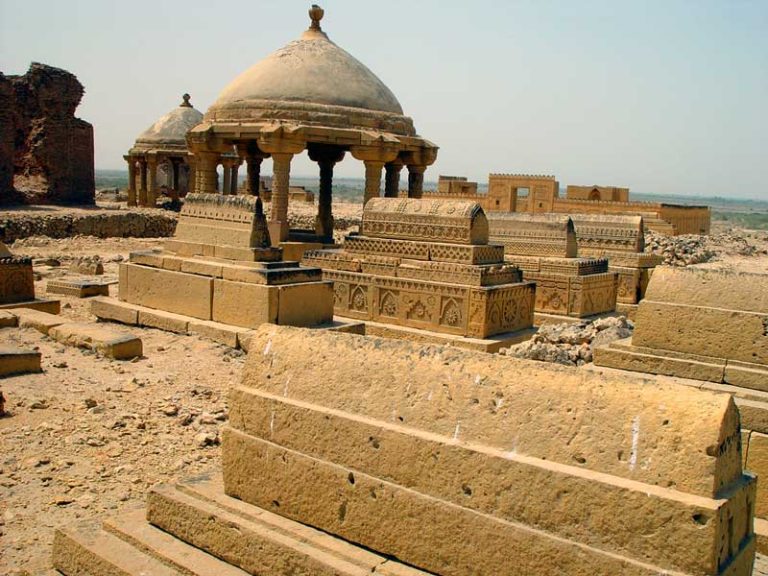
x=453 y=462
x=544 y=247
x=17 y=284
x=218 y=276
x=621 y=240
x=423 y=270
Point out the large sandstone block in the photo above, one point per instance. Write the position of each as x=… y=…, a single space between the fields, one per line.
x=432 y=455
x=40 y=321
x=528 y=234
x=716 y=332
x=306 y=304
x=175 y=292
x=244 y=304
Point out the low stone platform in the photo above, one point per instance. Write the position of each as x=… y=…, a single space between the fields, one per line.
x=41 y=304
x=114 y=310
x=182 y=521
x=82 y=288
x=15 y=360
x=490 y=344
x=40 y=321
x=106 y=341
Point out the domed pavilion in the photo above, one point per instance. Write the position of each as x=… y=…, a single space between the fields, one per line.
x=310 y=95
x=160 y=159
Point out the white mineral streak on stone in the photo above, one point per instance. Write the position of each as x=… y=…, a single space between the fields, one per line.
x=272 y=425
x=478 y=379
x=268 y=347
x=429 y=398
x=456 y=432
x=635 y=441
x=285 y=388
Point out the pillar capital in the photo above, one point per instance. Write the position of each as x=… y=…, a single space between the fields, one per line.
x=276 y=145
x=325 y=153
x=381 y=153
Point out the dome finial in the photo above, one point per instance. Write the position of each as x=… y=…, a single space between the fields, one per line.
x=186 y=103
x=316 y=14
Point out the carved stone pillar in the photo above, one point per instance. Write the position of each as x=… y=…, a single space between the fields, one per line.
x=392 y=179
x=253 y=182
x=152 y=189
x=326 y=157
x=175 y=179
x=191 y=176
x=205 y=171
x=227 y=187
x=278 y=219
x=233 y=183
x=131 y=180
x=415 y=181
x=142 y=182
x=372 y=180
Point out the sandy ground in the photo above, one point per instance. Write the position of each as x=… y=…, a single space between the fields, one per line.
x=88 y=436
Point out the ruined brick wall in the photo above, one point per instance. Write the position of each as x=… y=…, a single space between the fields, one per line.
x=53 y=150
x=7 y=132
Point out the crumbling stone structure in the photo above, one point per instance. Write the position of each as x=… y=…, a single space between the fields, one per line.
x=544 y=247
x=620 y=239
x=379 y=456
x=17 y=284
x=427 y=265
x=46 y=154
x=607 y=193
x=218 y=276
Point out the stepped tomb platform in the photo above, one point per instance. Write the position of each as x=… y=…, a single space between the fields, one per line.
x=427 y=455
x=423 y=270
x=17 y=284
x=544 y=247
x=620 y=239
x=218 y=276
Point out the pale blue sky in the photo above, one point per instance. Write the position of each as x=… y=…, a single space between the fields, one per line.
x=660 y=96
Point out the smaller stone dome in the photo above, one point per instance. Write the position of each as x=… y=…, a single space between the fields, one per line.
x=171 y=129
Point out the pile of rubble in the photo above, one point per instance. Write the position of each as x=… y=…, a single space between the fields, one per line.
x=692 y=249
x=571 y=344
x=679 y=250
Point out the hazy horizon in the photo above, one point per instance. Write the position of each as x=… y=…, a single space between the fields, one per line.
x=662 y=97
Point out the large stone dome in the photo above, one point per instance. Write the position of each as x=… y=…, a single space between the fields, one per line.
x=171 y=129
x=311 y=81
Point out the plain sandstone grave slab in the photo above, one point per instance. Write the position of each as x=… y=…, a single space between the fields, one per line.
x=107 y=341
x=14 y=360
x=40 y=321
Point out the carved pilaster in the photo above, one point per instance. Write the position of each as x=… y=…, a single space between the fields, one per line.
x=152 y=188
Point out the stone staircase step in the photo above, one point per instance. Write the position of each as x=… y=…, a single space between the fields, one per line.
x=128 y=545
x=87 y=549
x=256 y=540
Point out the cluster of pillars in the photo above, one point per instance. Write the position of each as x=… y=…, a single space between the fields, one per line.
x=326 y=156
x=144 y=169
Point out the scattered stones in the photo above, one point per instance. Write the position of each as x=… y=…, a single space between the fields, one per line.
x=688 y=250
x=88 y=265
x=571 y=344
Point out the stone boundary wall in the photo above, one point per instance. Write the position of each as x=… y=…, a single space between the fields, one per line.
x=109 y=224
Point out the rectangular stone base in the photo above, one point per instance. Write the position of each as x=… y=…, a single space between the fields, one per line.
x=18 y=361
x=79 y=288
x=42 y=304
x=194 y=529
x=490 y=344
x=113 y=310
